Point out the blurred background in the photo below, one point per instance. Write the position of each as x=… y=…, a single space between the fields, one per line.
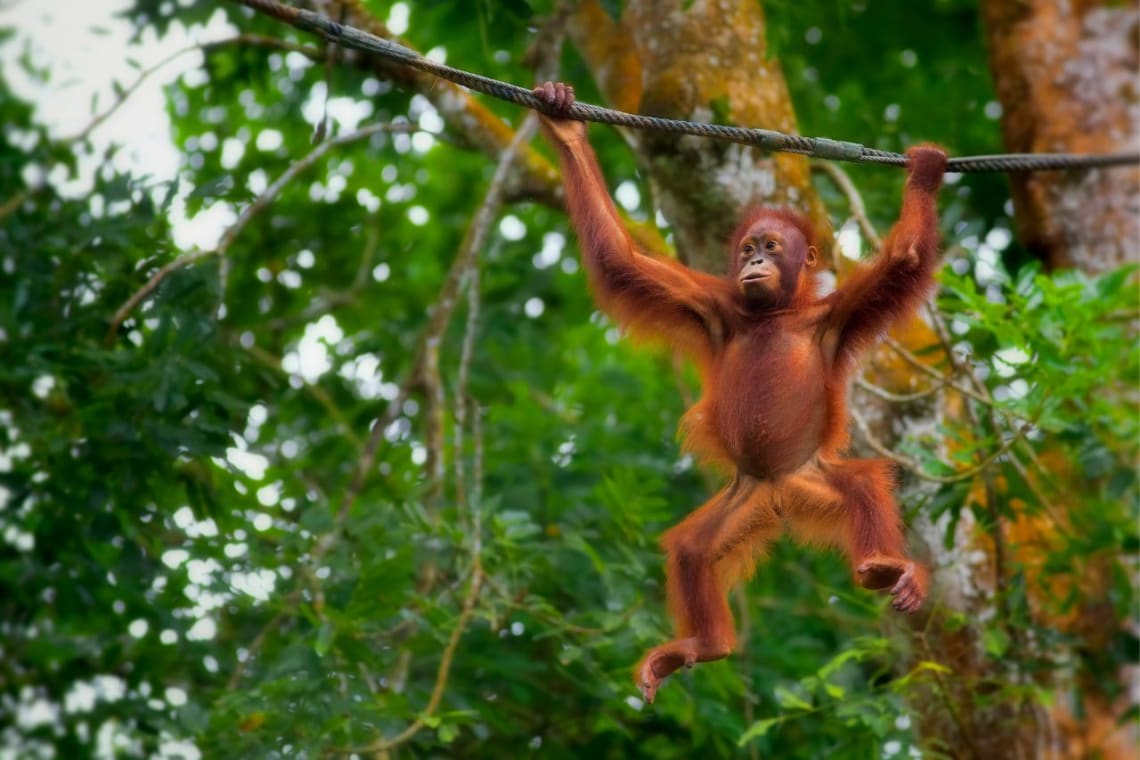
x=314 y=444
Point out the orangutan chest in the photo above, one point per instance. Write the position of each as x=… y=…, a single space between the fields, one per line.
x=771 y=393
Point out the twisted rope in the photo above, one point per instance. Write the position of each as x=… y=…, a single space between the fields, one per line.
x=818 y=147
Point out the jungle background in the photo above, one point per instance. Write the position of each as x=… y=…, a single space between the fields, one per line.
x=318 y=446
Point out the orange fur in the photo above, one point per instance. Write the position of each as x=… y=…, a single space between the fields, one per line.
x=775 y=361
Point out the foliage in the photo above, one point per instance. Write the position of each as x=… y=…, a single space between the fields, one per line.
x=192 y=549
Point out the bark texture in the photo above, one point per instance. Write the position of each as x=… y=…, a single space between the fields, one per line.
x=702 y=61
x=1065 y=72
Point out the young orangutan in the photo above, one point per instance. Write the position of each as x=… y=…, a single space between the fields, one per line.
x=774 y=361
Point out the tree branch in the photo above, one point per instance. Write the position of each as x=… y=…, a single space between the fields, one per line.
x=896 y=398
x=253 y=209
x=536 y=178
x=854 y=199
x=916 y=469
x=441 y=314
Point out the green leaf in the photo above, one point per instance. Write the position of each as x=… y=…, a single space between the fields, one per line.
x=447 y=733
x=575 y=541
x=834 y=691
x=787 y=698
x=1110 y=284
x=324 y=639
x=758 y=729
x=930 y=665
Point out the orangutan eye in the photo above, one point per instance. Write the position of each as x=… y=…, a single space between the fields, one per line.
x=770 y=245
x=748 y=248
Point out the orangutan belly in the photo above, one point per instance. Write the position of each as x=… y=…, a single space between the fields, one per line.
x=772 y=408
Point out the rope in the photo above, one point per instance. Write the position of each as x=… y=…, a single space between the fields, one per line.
x=818 y=147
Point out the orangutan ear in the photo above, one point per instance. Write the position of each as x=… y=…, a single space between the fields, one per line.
x=812 y=257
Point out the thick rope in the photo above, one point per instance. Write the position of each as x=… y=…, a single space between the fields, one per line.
x=819 y=147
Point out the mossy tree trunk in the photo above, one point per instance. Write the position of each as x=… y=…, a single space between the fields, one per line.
x=1065 y=73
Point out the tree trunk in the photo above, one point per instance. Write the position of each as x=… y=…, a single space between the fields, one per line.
x=701 y=61
x=1065 y=73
